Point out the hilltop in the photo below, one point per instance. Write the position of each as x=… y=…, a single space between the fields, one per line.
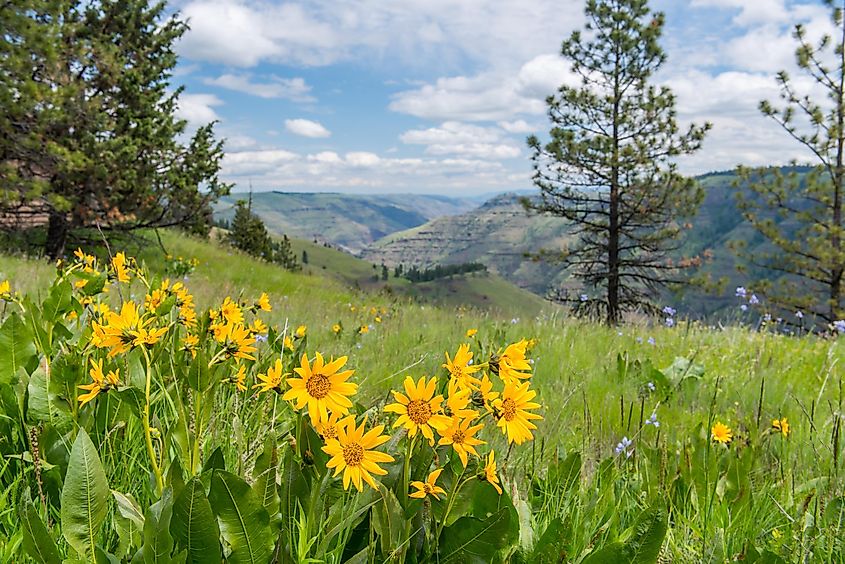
x=350 y=221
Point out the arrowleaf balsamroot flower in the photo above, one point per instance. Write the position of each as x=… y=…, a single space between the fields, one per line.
x=231 y=311
x=459 y=434
x=322 y=388
x=428 y=487
x=512 y=364
x=5 y=290
x=120 y=269
x=263 y=302
x=272 y=381
x=458 y=400
x=124 y=330
x=236 y=340
x=419 y=409
x=512 y=411
x=352 y=453
x=100 y=382
x=461 y=368
x=721 y=433
x=328 y=428
x=490 y=472
x=781 y=426
x=239 y=379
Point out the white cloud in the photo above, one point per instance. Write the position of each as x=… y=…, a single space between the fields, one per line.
x=519 y=126
x=306 y=128
x=294 y=89
x=488 y=96
x=458 y=138
x=243 y=34
x=751 y=12
x=268 y=169
x=197 y=109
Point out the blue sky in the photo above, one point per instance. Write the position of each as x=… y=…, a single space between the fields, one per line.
x=437 y=96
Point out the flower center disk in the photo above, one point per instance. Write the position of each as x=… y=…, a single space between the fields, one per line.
x=458 y=436
x=353 y=454
x=508 y=409
x=419 y=412
x=318 y=386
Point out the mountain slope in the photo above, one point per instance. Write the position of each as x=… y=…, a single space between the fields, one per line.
x=349 y=220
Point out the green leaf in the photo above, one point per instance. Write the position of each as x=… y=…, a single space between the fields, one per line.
x=84 y=496
x=194 y=526
x=37 y=541
x=613 y=553
x=647 y=537
x=551 y=548
x=388 y=520
x=158 y=543
x=265 y=477
x=17 y=349
x=215 y=461
x=472 y=540
x=129 y=508
x=293 y=489
x=58 y=302
x=244 y=523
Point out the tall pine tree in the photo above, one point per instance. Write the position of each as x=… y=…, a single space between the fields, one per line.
x=88 y=131
x=801 y=215
x=608 y=166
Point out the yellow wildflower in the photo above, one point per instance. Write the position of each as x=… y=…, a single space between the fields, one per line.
x=231 y=312
x=322 y=387
x=490 y=472
x=721 y=433
x=272 y=380
x=512 y=411
x=781 y=426
x=419 y=409
x=352 y=453
x=428 y=487
x=120 y=269
x=263 y=302
x=461 y=367
x=100 y=382
x=460 y=435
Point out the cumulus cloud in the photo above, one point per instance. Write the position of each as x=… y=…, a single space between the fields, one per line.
x=306 y=128
x=197 y=109
x=275 y=168
x=458 y=138
x=294 y=89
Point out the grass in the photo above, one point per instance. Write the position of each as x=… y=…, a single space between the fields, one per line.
x=764 y=492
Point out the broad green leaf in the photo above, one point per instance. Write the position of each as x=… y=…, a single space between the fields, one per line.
x=265 y=477
x=84 y=496
x=37 y=542
x=244 y=523
x=45 y=404
x=129 y=508
x=388 y=520
x=215 y=461
x=612 y=553
x=58 y=302
x=158 y=543
x=194 y=526
x=647 y=536
x=17 y=349
x=293 y=490
x=472 y=540
x=551 y=548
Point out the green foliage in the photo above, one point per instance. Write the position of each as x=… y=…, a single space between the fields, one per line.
x=608 y=168
x=801 y=215
x=89 y=135
x=84 y=497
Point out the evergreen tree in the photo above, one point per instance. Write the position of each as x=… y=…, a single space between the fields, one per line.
x=248 y=233
x=304 y=256
x=384 y=272
x=88 y=133
x=608 y=166
x=800 y=215
x=283 y=254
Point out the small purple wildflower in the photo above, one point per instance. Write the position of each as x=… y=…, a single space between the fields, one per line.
x=670 y=322
x=651 y=387
x=670 y=311
x=799 y=314
x=743 y=307
x=653 y=420
x=584 y=297
x=623 y=446
x=839 y=325
x=651 y=341
x=754 y=300
x=741 y=292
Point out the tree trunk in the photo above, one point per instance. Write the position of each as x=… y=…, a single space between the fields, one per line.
x=57 y=231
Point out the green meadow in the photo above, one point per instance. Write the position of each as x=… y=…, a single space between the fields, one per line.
x=670 y=494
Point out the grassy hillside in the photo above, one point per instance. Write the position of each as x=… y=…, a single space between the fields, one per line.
x=761 y=492
x=349 y=220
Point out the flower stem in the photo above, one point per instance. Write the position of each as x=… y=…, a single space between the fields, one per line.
x=145 y=420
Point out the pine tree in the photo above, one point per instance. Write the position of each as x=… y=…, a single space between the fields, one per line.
x=800 y=215
x=283 y=254
x=384 y=272
x=248 y=233
x=304 y=256
x=608 y=167
x=88 y=133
